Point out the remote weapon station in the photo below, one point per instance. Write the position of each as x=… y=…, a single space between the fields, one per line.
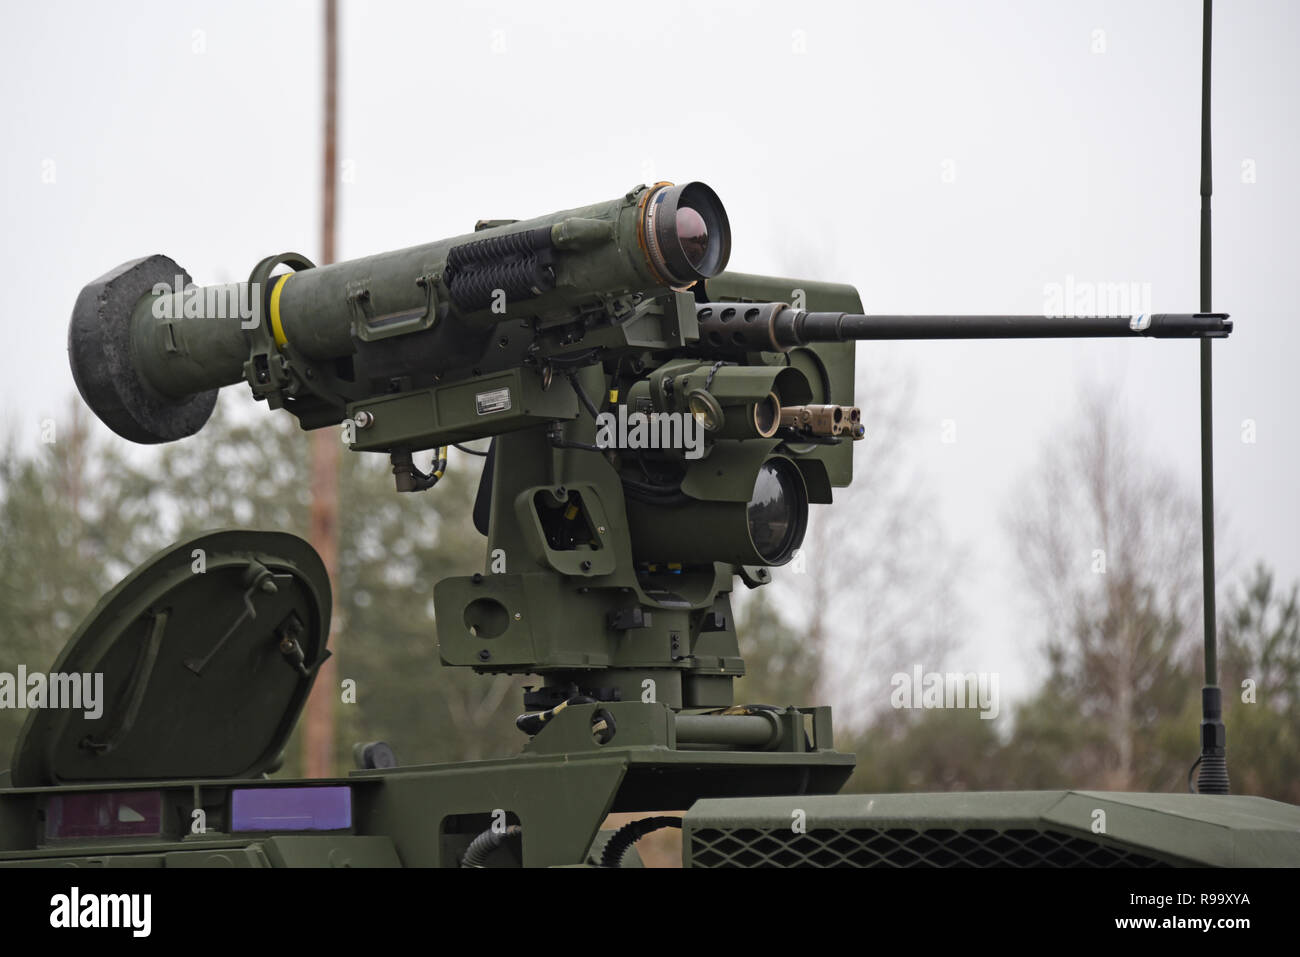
x=660 y=427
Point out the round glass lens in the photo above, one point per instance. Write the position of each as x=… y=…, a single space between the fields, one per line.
x=692 y=235
x=706 y=411
x=773 y=516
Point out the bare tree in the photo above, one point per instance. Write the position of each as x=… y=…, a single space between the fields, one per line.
x=1108 y=542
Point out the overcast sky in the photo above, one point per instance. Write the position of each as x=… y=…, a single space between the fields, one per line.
x=942 y=157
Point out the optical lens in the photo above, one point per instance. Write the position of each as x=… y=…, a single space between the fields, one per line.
x=778 y=511
x=692 y=235
x=686 y=236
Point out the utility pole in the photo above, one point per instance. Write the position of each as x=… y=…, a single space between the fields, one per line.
x=318 y=734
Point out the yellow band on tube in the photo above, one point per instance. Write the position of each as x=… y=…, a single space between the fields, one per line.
x=277 y=329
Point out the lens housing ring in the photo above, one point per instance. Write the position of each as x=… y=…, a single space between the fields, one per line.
x=685 y=233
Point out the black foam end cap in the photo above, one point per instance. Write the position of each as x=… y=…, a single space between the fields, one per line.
x=99 y=350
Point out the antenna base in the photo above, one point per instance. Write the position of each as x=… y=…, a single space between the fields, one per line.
x=1213 y=775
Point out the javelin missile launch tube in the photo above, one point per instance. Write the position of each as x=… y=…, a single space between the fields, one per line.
x=148 y=350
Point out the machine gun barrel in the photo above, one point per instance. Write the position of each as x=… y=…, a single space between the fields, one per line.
x=777 y=327
x=797 y=328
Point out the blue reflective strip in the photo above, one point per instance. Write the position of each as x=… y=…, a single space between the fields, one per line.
x=291 y=809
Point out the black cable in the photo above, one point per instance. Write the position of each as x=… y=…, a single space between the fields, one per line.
x=603 y=726
x=650 y=488
x=558 y=441
x=533 y=721
x=649 y=494
x=457 y=445
x=576 y=360
x=481 y=847
x=628 y=371
x=582 y=393
x=410 y=478
x=629 y=834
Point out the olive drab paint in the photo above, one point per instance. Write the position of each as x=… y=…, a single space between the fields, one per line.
x=607 y=567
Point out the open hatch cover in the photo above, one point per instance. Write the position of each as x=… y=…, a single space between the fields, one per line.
x=207 y=651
